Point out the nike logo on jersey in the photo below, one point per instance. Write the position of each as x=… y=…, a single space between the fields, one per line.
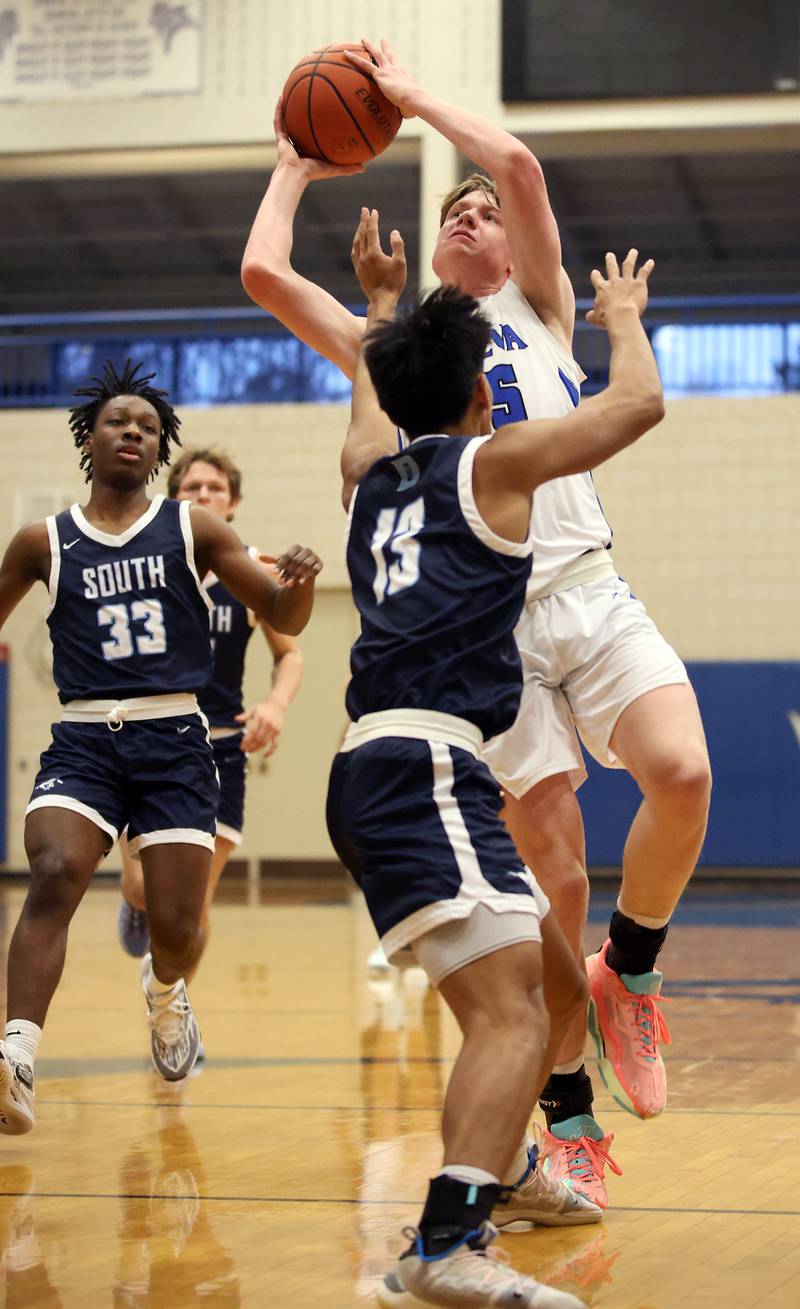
x=72 y=543
x=181 y=730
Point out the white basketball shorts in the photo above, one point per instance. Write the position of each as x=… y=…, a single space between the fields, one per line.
x=587 y=653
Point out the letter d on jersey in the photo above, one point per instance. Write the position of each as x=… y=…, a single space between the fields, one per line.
x=407 y=470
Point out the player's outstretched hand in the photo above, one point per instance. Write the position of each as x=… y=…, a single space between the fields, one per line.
x=375 y=270
x=295 y=566
x=380 y=63
x=313 y=169
x=620 y=288
x=263 y=724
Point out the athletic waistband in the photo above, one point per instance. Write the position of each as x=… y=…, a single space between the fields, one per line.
x=586 y=568
x=222 y=733
x=116 y=712
x=419 y=725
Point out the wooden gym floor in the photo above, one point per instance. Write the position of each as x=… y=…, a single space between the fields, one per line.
x=280 y=1175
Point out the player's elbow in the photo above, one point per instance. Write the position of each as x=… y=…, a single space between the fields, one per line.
x=651 y=408
x=516 y=163
x=262 y=280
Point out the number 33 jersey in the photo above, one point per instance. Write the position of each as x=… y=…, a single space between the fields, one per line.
x=532 y=376
x=128 y=613
x=438 y=592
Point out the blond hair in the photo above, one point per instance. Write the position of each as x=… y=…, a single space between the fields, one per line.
x=217 y=458
x=473 y=182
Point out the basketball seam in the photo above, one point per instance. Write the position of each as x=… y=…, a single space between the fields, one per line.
x=346 y=109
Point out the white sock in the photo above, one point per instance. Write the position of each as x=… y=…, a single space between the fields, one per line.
x=642 y=919
x=519 y=1164
x=157 y=990
x=472 y=1176
x=22 y=1039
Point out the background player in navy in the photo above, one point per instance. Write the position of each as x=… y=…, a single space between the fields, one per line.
x=211 y=479
x=129 y=626
x=439 y=556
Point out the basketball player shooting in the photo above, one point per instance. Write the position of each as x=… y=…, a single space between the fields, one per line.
x=129 y=626
x=439 y=556
x=594 y=662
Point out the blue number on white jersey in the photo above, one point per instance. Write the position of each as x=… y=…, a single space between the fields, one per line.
x=397 y=530
x=509 y=407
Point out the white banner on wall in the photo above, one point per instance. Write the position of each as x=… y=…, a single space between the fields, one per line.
x=99 y=49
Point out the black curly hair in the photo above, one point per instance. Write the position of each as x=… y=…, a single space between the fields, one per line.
x=425 y=363
x=82 y=418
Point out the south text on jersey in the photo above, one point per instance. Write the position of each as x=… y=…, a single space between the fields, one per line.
x=106 y=580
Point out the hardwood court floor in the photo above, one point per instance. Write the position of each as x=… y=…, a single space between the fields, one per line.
x=279 y=1176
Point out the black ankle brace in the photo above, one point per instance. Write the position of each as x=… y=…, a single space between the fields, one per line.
x=566 y=1095
x=453 y=1209
x=633 y=948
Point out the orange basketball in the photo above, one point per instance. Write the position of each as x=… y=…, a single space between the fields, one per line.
x=334 y=111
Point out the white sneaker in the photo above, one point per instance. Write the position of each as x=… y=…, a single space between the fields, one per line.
x=544 y=1200
x=174 y=1034
x=465 y=1278
x=16 y=1094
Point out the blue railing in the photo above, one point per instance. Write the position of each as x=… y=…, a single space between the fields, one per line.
x=719 y=345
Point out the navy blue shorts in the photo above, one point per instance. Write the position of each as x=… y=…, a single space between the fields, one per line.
x=418 y=825
x=157 y=775
x=232 y=768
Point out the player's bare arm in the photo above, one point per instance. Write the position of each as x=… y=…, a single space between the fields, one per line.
x=27 y=560
x=526 y=213
x=263 y=722
x=382 y=278
x=520 y=456
x=308 y=311
x=286 y=605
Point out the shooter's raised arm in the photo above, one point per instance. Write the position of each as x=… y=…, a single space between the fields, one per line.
x=308 y=311
x=526 y=213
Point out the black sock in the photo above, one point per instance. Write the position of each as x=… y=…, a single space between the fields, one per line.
x=452 y=1209
x=566 y=1095
x=633 y=948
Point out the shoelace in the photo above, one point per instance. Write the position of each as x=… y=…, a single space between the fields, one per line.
x=587 y=1157
x=168 y=1020
x=651 y=1025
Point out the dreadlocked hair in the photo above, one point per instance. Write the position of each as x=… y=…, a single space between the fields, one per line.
x=82 y=418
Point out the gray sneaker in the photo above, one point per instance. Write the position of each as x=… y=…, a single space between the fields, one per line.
x=174 y=1034
x=544 y=1200
x=16 y=1094
x=133 y=930
x=466 y=1277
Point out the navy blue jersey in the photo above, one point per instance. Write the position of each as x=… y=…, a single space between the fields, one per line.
x=128 y=614
x=438 y=592
x=231 y=628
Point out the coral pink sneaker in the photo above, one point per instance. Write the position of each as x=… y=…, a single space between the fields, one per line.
x=576 y=1152
x=626 y=1024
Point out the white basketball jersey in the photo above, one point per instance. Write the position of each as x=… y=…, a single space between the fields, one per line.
x=532 y=376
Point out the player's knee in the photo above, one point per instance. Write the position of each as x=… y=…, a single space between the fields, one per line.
x=683 y=782
x=58 y=878
x=569 y=900
x=176 y=935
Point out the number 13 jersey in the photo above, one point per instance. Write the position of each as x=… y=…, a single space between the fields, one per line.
x=128 y=613
x=532 y=376
x=438 y=592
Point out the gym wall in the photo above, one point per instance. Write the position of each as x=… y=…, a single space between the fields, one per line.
x=704 y=515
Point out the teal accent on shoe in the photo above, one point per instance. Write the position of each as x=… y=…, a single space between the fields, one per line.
x=580 y=1125
x=472 y=1195
x=642 y=983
